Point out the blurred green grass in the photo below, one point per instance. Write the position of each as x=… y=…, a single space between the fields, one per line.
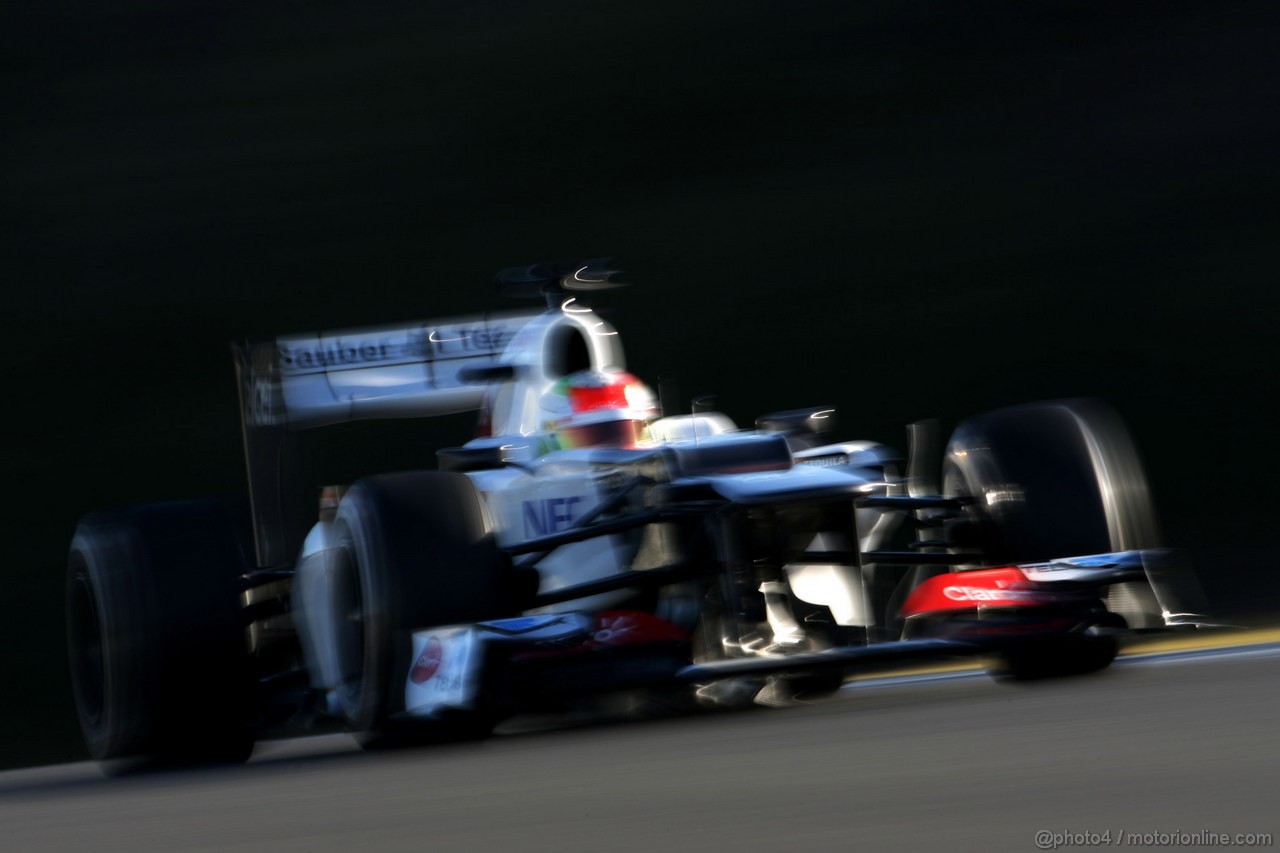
x=906 y=210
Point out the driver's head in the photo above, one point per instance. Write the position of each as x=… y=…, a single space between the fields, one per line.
x=592 y=408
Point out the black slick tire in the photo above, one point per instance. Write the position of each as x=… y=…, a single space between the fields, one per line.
x=417 y=551
x=160 y=669
x=1051 y=480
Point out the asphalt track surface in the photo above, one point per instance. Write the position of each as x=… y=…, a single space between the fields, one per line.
x=1175 y=742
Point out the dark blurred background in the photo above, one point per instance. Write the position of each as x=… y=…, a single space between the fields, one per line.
x=904 y=209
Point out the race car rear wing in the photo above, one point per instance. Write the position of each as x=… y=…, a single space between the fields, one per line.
x=434 y=367
x=298 y=382
x=310 y=380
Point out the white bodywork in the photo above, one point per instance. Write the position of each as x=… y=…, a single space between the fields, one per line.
x=547 y=498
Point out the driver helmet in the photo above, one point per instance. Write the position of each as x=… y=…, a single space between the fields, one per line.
x=593 y=408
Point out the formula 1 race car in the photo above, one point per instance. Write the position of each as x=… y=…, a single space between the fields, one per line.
x=583 y=544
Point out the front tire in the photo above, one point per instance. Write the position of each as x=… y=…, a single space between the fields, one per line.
x=1058 y=479
x=1056 y=658
x=1052 y=480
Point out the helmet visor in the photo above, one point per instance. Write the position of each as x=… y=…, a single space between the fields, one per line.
x=620 y=433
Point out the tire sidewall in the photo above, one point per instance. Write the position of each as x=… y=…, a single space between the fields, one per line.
x=1043 y=475
x=104 y=563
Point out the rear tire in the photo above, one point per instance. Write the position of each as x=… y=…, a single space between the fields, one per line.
x=417 y=552
x=160 y=669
